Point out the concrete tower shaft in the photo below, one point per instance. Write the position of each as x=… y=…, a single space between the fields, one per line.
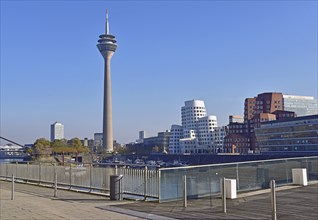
x=107 y=46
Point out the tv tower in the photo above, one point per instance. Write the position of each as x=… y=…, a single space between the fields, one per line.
x=107 y=46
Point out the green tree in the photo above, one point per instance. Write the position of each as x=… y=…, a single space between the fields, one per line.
x=77 y=147
x=60 y=147
x=42 y=148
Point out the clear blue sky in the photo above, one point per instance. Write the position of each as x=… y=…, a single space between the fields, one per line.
x=168 y=52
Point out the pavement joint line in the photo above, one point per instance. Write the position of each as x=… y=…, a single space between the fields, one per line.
x=135 y=213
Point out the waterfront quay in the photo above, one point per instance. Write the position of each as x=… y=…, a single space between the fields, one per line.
x=36 y=202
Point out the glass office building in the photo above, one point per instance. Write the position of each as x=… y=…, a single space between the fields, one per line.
x=298 y=134
x=301 y=105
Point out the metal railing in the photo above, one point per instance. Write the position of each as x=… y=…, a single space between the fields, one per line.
x=164 y=184
x=204 y=180
x=138 y=181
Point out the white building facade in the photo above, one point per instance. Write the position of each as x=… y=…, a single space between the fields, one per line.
x=57 y=131
x=301 y=105
x=176 y=133
x=196 y=134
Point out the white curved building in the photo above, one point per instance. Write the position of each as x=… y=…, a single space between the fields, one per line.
x=197 y=130
x=176 y=133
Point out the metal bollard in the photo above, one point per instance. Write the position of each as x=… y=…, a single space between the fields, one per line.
x=55 y=185
x=12 y=192
x=184 y=190
x=223 y=195
x=273 y=199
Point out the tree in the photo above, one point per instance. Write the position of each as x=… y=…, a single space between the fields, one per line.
x=60 y=147
x=77 y=147
x=155 y=149
x=42 y=147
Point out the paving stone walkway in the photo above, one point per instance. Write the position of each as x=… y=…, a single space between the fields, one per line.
x=35 y=202
x=293 y=203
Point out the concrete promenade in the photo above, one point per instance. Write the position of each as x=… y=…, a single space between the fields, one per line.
x=34 y=202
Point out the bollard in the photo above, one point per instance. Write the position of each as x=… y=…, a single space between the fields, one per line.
x=223 y=195
x=12 y=192
x=273 y=199
x=184 y=190
x=55 y=185
x=116 y=192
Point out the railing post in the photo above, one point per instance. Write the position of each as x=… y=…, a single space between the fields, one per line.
x=16 y=169
x=70 y=176
x=7 y=171
x=223 y=193
x=40 y=173
x=145 y=182
x=273 y=199
x=90 y=177
x=184 y=190
x=12 y=189
x=159 y=182
x=237 y=177
x=116 y=170
x=27 y=174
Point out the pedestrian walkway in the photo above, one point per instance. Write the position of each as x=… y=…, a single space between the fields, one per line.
x=34 y=202
x=293 y=203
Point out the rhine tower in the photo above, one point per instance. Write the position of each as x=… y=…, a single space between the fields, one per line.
x=107 y=46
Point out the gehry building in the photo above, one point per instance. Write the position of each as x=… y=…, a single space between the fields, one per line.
x=196 y=134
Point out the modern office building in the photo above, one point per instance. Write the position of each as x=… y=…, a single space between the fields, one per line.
x=161 y=141
x=98 y=140
x=301 y=105
x=57 y=131
x=295 y=134
x=196 y=134
x=107 y=47
x=217 y=137
x=142 y=136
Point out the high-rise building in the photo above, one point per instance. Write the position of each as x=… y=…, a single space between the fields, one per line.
x=263 y=103
x=263 y=108
x=98 y=140
x=107 y=47
x=301 y=105
x=142 y=136
x=196 y=134
x=57 y=131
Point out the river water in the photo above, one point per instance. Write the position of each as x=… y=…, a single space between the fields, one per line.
x=10 y=160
